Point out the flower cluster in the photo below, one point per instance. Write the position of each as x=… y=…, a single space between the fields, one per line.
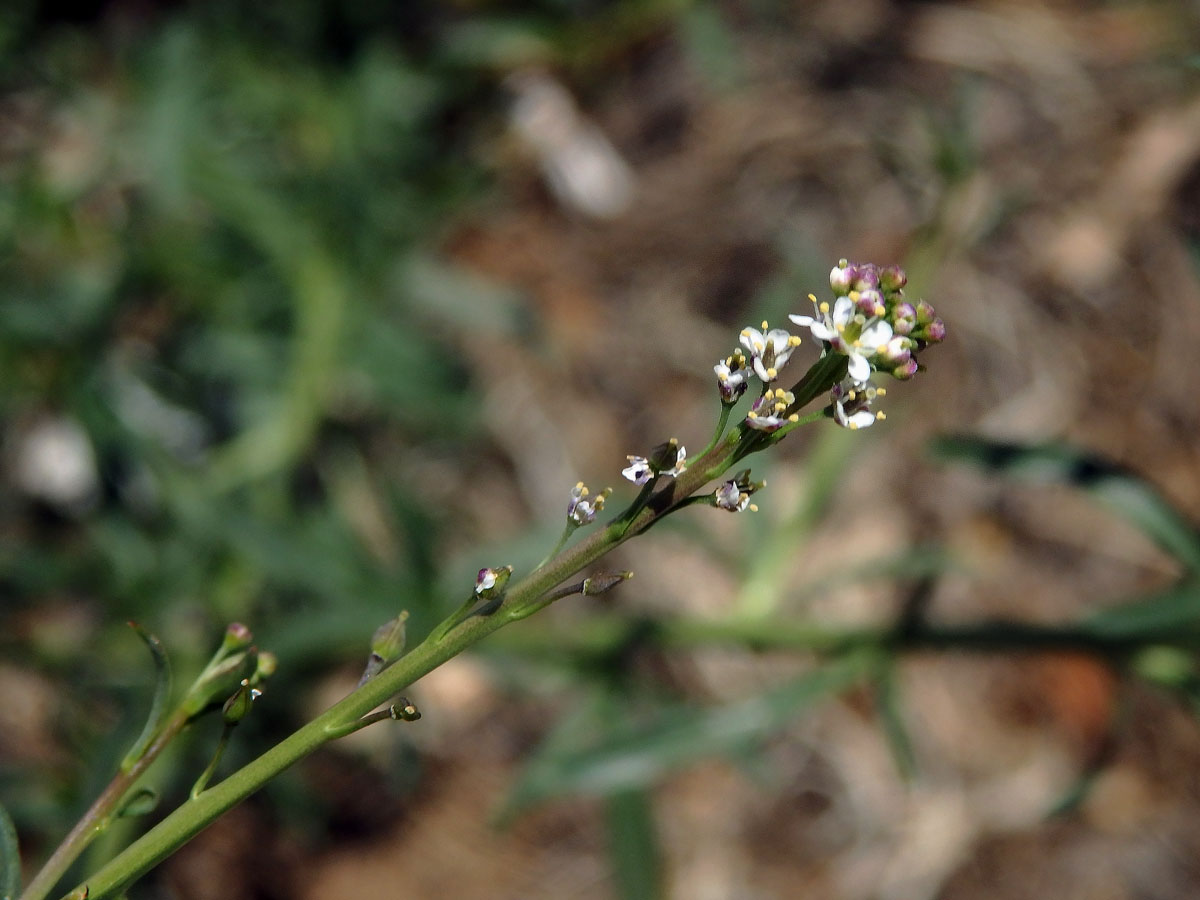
x=875 y=328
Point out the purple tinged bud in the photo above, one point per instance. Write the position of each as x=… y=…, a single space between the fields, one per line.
x=925 y=313
x=892 y=278
x=236 y=637
x=905 y=370
x=935 y=331
x=490 y=583
x=870 y=302
x=904 y=318
x=841 y=278
x=866 y=276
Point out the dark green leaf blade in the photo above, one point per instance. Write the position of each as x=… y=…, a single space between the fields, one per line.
x=1115 y=487
x=10 y=858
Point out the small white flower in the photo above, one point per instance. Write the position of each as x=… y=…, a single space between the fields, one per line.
x=849 y=332
x=769 y=412
x=581 y=509
x=732 y=377
x=680 y=463
x=638 y=471
x=727 y=496
x=769 y=350
x=852 y=404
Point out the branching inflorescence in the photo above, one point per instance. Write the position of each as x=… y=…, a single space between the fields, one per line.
x=867 y=328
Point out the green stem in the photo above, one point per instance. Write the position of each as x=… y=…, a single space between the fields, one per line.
x=446 y=642
x=100 y=813
x=726 y=409
x=207 y=774
x=562 y=542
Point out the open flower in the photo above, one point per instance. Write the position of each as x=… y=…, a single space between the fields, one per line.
x=638 y=471
x=733 y=377
x=848 y=331
x=769 y=350
x=582 y=509
x=852 y=404
x=734 y=495
x=769 y=412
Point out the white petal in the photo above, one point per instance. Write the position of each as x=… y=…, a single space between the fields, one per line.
x=806 y=321
x=875 y=335
x=859 y=369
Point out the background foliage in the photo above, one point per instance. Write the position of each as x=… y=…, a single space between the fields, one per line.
x=310 y=339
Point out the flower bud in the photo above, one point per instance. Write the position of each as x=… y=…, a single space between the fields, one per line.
x=904 y=318
x=219 y=681
x=388 y=641
x=870 y=302
x=237 y=636
x=238 y=705
x=669 y=458
x=599 y=584
x=841 y=278
x=490 y=583
x=264 y=668
x=866 y=277
x=892 y=278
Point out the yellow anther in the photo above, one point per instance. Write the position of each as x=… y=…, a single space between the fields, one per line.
x=794 y=417
x=793 y=341
x=881 y=416
x=581 y=488
x=824 y=307
x=812 y=297
x=753 y=507
x=764 y=325
x=771 y=373
x=880 y=391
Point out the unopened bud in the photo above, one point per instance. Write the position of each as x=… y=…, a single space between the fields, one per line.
x=841 y=278
x=490 y=583
x=237 y=637
x=238 y=705
x=599 y=584
x=669 y=458
x=219 y=681
x=388 y=641
x=264 y=668
x=892 y=278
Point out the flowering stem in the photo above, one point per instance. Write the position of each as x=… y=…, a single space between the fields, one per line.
x=726 y=409
x=100 y=813
x=207 y=774
x=562 y=542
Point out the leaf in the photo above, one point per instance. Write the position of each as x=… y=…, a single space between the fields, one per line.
x=1164 y=616
x=633 y=845
x=10 y=858
x=158 y=705
x=891 y=717
x=636 y=754
x=1115 y=487
x=139 y=803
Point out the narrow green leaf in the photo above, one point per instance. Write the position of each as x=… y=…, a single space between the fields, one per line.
x=633 y=846
x=158 y=705
x=636 y=754
x=1161 y=617
x=139 y=803
x=10 y=858
x=891 y=717
x=1116 y=488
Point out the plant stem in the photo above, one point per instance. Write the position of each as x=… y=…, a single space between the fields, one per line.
x=100 y=813
x=445 y=642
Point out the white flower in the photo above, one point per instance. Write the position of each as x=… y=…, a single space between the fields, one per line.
x=769 y=412
x=769 y=350
x=732 y=377
x=638 y=471
x=849 y=332
x=729 y=497
x=580 y=509
x=852 y=404
x=680 y=463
